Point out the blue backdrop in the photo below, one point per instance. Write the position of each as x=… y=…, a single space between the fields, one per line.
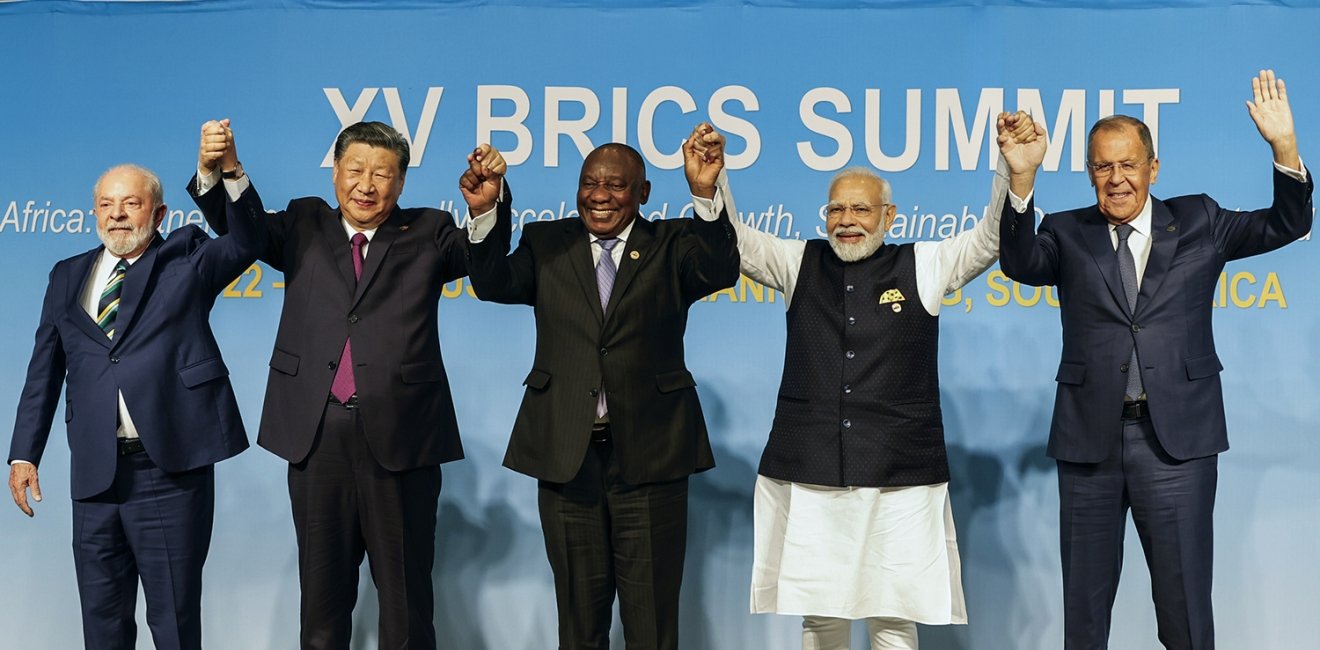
x=802 y=89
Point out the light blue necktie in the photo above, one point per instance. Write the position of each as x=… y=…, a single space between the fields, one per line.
x=605 y=272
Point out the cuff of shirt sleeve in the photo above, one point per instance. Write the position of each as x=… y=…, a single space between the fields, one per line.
x=236 y=188
x=16 y=461
x=1298 y=175
x=1020 y=204
x=207 y=181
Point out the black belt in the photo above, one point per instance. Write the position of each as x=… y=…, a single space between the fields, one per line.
x=130 y=446
x=350 y=404
x=1135 y=410
x=600 y=432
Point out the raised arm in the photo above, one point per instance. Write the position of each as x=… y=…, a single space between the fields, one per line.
x=711 y=261
x=496 y=275
x=763 y=257
x=1024 y=255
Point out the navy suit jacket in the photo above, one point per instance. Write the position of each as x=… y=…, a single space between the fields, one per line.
x=163 y=358
x=1192 y=239
x=391 y=313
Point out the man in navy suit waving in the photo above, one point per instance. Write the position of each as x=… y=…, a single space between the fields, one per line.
x=1139 y=413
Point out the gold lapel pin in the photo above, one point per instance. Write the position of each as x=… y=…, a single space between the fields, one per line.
x=403 y=228
x=635 y=255
x=1171 y=228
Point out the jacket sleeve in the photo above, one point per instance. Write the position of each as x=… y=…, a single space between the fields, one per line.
x=45 y=378
x=497 y=275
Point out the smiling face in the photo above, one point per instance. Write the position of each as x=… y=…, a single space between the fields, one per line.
x=611 y=189
x=127 y=211
x=857 y=217
x=368 y=182
x=1121 y=193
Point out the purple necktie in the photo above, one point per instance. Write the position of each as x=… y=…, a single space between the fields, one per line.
x=605 y=272
x=344 y=387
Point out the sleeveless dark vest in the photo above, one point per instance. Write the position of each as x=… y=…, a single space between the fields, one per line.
x=859 y=403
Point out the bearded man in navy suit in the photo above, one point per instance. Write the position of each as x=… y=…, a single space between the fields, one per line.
x=148 y=406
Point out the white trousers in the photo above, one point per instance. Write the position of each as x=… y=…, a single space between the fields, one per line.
x=825 y=633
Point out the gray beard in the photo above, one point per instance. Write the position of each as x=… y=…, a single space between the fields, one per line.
x=858 y=251
x=123 y=245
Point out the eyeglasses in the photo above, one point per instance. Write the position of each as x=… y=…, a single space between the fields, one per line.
x=859 y=210
x=1124 y=168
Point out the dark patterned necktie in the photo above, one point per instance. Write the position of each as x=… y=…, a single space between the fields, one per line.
x=107 y=308
x=1127 y=271
x=344 y=386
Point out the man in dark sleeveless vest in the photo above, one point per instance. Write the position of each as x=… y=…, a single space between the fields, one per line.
x=852 y=505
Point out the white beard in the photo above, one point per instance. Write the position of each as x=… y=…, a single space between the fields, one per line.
x=121 y=244
x=856 y=252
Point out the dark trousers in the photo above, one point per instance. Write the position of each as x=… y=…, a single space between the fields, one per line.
x=1172 y=504
x=603 y=535
x=346 y=505
x=149 y=525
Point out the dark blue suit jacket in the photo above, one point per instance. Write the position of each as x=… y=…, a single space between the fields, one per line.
x=1192 y=239
x=164 y=359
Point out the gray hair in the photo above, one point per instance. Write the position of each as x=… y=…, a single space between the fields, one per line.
x=374 y=134
x=1116 y=123
x=886 y=196
x=153 y=181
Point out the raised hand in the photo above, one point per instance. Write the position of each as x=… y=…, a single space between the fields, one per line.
x=1022 y=143
x=216 y=147
x=480 y=183
x=21 y=477
x=1273 y=117
x=703 y=158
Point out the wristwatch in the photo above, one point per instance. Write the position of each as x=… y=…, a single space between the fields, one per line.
x=232 y=174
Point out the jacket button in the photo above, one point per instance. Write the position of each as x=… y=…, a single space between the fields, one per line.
x=847 y=424
x=1123 y=368
x=604 y=352
x=847 y=389
x=331 y=365
x=849 y=354
x=848 y=288
x=595 y=392
x=1136 y=327
x=353 y=319
x=852 y=320
x=114 y=359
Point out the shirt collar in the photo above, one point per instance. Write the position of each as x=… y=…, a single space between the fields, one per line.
x=350 y=230
x=1141 y=225
x=622 y=236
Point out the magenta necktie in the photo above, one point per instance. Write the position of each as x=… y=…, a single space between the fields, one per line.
x=344 y=387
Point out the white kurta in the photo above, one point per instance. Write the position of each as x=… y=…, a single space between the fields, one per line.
x=859 y=552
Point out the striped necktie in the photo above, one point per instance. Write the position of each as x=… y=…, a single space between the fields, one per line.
x=108 y=307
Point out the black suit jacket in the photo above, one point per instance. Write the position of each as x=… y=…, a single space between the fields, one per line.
x=391 y=314
x=163 y=358
x=635 y=349
x=1192 y=239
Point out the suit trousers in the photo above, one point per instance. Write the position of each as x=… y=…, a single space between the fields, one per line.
x=603 y=535
x=1172 y=504
x=346 y=505
x=151 y=525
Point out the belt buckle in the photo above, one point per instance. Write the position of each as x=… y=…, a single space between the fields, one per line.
x=129 y=446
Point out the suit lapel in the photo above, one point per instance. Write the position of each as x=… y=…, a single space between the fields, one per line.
x=380 y=245
x=332 y=229
x=635 y=252
x=577 y=245
x=135 y=286
x=1164 y=240
x=1095 y=231
x=83 y=269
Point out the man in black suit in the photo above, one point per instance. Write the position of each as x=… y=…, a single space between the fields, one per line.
x=610 y=423
x=149 y=408
x=358 y=400
x=1139 y=414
